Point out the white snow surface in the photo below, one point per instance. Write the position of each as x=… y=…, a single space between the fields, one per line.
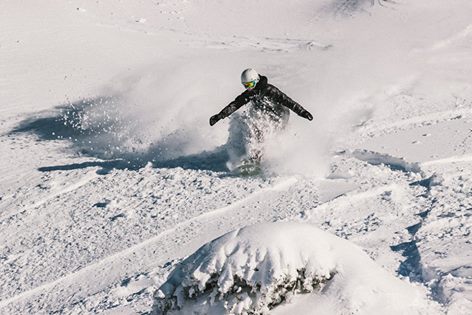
x=253 y=269
x=111 y=175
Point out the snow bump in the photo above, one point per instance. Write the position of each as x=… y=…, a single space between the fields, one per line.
x=264 y=267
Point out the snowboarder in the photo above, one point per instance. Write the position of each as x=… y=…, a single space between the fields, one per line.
x=265 y=98
x=268 y=113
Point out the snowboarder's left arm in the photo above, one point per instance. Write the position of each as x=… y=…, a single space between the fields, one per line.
x=281 y=98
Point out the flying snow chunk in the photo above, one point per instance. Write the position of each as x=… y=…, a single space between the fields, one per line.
x=291 y=268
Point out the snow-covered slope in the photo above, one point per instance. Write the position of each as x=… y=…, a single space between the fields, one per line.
x=111 y=174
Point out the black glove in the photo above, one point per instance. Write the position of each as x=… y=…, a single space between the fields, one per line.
x=214 y=119
x=307 y=115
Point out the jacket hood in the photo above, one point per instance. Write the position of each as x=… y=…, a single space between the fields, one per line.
x=262 y=81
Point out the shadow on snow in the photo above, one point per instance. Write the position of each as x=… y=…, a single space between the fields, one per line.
x=94 y=128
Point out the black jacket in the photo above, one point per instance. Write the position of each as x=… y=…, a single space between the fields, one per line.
x=267 y=98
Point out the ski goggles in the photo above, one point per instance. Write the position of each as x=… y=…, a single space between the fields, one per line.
x=250 y=84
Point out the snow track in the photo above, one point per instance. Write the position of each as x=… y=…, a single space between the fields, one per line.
x=383 y=127
x=70 y=188
x=449 y=160
x=118 y=264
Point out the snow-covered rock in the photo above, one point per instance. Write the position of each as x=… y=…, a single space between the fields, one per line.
x=263 y=267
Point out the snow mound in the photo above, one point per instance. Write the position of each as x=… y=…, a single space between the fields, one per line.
x=263 y=267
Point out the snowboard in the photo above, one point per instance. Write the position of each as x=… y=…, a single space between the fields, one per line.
x=249 y=167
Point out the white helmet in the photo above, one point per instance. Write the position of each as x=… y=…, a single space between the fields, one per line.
x=249 y=76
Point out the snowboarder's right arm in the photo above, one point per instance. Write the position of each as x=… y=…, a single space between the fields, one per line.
x=230 y=108
x=281 y=98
